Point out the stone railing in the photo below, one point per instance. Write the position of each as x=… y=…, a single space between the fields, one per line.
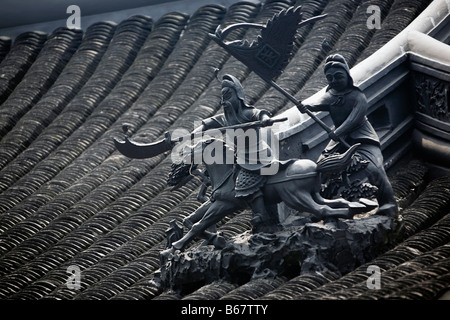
x=430 y=86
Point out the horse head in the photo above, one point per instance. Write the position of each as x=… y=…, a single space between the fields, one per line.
x=212 y=154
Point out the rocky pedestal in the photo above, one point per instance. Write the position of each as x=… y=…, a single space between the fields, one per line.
x=303 y=246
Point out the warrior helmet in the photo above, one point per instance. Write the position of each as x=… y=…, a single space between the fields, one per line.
x=232 y=82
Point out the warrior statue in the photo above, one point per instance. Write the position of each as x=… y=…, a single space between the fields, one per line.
x=250 y=157
x=348 y=108
x=242 y=184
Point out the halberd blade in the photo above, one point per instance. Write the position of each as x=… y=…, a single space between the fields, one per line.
x=136 y=150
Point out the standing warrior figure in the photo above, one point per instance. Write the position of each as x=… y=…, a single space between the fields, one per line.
x=348 y=108
x=250 y=157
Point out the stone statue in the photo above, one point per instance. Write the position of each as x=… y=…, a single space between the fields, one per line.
x=245 y=173
x=239 y=184
x=348 y=108
x=249 y=180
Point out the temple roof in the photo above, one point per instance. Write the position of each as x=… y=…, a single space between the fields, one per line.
x=69 y=198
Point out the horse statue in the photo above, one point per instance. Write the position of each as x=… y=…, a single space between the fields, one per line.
x=297 y=183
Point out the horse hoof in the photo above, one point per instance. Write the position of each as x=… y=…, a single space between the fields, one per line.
x=363 y=205
x=389 y=210
x=370 y=204
x=167 y=254
x=356 y=208
x=356 y=205
x=178 y=245
x=219 y=242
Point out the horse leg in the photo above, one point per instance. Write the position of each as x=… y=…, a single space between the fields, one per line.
x=356 y=207
x=196 y=216
x=215 y=212
x=363 y=205
x=300 y=199
x=326 y=211
x=298 y=195
x=336 y=203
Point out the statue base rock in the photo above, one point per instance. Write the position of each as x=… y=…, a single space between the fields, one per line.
x=303 y=246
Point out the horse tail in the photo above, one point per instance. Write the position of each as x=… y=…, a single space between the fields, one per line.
x=336 y=162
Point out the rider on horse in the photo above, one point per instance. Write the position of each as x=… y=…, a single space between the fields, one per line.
x=348 y=108
x=254 y=155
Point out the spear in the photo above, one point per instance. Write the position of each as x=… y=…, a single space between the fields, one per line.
x=137 y=150
x=269 y=54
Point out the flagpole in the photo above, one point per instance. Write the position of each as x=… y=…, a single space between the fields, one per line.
x=270 y=53
x=309 y=112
